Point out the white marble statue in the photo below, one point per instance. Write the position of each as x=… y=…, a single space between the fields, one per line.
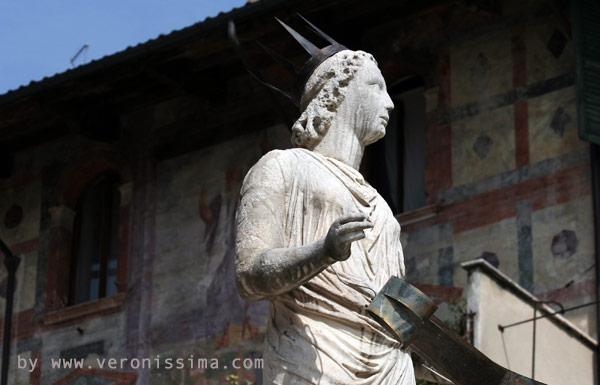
x=318 y=242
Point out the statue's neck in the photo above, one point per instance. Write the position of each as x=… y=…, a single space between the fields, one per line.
x=341 y=143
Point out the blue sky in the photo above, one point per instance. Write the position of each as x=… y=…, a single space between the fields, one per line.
x=39 y=37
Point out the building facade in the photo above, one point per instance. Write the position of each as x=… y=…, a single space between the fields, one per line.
x=120 y=180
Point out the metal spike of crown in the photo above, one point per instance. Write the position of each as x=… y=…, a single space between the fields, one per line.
x=301 y=75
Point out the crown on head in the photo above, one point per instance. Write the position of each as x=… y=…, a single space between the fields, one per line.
x=301 y=75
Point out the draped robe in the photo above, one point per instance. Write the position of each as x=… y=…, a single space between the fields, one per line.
x=319 y=332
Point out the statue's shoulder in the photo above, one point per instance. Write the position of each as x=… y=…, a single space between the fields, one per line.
x=286 y=160
x=273 y=168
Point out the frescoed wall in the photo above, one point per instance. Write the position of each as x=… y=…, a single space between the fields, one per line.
x=516 y=189
x=198 y=309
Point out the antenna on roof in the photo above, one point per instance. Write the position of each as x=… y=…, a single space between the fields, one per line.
x=83 y=50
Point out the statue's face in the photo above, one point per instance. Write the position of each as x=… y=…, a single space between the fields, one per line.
x=370 y=103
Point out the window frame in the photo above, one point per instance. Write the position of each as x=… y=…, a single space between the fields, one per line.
x=111 y=177
x=57 y=311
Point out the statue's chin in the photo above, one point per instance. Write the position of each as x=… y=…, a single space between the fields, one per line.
x=374 y=136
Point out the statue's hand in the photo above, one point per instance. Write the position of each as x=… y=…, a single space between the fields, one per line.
x=343 y=232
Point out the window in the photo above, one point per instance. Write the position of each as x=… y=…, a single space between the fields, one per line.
x=95 y=240
x=395 y=165
x=586 y=32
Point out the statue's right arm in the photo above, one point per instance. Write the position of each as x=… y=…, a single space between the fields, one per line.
x=275 y=271
x=264 y=267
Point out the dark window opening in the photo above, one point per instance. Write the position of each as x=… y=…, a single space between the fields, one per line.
x=395 y=165
x=95 y=241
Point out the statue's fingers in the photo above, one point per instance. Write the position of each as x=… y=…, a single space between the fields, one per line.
x=351 y=218
x=353 y=236
x=355 y=226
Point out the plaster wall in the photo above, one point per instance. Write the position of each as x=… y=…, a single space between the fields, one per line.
x=193 y=277
x=96 y=339
x=560 y=358
x=22 y=238
x=506 y=172
x=194 y=308
x=36 y=176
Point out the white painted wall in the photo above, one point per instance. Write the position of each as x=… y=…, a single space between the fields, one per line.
x=564 y=354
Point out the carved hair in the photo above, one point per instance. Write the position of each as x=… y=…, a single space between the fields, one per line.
x=323 y=93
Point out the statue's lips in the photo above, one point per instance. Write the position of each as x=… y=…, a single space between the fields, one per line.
x=385 y=119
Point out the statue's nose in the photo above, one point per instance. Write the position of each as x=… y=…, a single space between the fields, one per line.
x=389 y=106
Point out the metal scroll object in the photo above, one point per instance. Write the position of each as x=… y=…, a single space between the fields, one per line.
x=407 y=313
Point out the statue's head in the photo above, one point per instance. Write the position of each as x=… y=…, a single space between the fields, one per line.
x=336 y=85
x=348 y=83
